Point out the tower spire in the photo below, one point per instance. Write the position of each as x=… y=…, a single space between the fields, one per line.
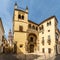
x=15 y=6
x=26 y=8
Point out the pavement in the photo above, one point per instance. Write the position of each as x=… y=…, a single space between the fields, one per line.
x=8 y=57
x=57 y=57
x=17 y=57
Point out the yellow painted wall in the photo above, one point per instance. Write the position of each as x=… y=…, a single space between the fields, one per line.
x=21 y=37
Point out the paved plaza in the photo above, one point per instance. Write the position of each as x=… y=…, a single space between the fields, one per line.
x=8 y=57
x=17 y=57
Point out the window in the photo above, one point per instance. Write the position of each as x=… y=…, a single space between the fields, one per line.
x=42 y=27
x=19 y=16
x=39 y=28
x=42 y=40
x=29 y=26
x=21 y=45
x=48 y=30
x=56 y=35
x=49 y=50
x=31 y=39
x=22 y=17
x=48 y=23
x=49 y=37
x=36 y=28
x=20 y=28
x=43 y=50
x=49 y=42
x=33 y=27
x=42 y=32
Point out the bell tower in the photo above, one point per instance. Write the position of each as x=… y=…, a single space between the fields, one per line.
x=20 y=17
x=20 y=26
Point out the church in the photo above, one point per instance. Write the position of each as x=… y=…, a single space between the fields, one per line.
x=33 y=38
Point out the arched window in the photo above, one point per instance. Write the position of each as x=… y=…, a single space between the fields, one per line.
x=36 y=28
x=33 y=27
x=39 y=28
x=49 y=42
x=22 y=17
x=42 y=27
x=29 y=26
x=31 y=39
x=21 y=28
x=49 y=50
x=43 y=50
x=19 y=16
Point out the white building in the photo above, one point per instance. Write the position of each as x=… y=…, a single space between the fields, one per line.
x=1 y=35
x=58 y=46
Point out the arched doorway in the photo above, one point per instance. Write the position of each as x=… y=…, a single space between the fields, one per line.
x=32 y=41
x=31 y=48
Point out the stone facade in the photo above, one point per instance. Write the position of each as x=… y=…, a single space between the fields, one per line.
x=33 y=38
x=58 y=45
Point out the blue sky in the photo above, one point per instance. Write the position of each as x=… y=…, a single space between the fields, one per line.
x=39 y=10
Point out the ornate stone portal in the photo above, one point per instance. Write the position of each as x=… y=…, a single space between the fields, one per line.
x=32 y=43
